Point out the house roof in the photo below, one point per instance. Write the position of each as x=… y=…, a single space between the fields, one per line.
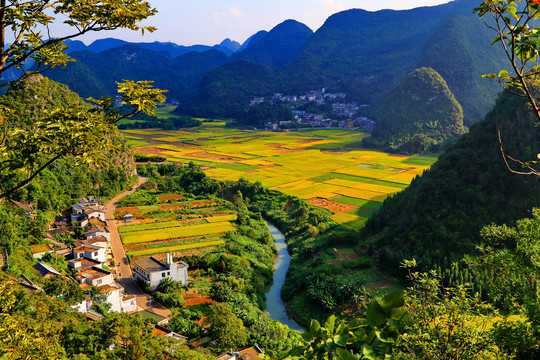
x=251 y=353
x=83 y=263
x=92 y=273
x=151 y=264
x=88 y=210
x=89 y=248
x=38 y=249
x=105 y=289
x=226 y=356
x=25 y=206
x=95 y=229
x=45 y=269
x=92 y=241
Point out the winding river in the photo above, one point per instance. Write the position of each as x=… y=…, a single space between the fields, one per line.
x=274 y=304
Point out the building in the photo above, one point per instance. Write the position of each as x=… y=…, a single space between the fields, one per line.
x=78 y=210
x=39 y=250
x=152 y=271
x=251 y=353
x=27 y=207
x=96 y=230
x=46 y=271
x=93 y=252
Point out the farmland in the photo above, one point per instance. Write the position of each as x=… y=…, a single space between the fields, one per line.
x=325 y=167
x=174 y=223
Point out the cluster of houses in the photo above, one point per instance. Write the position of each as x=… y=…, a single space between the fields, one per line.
x=88 y=257
x=301 y=117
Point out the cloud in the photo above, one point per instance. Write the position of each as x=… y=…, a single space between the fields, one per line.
x=231 y=13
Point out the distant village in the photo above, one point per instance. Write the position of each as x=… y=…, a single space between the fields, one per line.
x=302 y=118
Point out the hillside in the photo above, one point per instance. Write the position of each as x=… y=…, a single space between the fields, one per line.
x=420 y=114
x=438 y=218
x=95 y=74
x=459 y=51
x=277 y=47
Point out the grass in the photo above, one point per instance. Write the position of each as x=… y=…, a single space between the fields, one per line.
x=166 y=248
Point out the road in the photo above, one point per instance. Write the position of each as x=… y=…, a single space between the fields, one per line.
x=123 y=268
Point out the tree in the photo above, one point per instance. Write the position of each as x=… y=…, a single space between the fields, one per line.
x=78 y=132
x=520 y=40
x=225 y=327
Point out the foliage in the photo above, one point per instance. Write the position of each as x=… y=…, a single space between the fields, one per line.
x=225 y=327
x=78 y=132
x=447 y=323
x=519 y=37
x=372 y=337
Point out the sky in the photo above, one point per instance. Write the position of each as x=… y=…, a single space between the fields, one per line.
x=208 y=22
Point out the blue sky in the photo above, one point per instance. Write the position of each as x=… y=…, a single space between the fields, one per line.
x=210 y=21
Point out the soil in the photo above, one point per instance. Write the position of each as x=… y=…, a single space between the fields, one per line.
x=333 y=206
x=172 y=206
x=194 y=298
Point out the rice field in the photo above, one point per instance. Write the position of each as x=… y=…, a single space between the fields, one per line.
x=144 y=236
x=322 y=163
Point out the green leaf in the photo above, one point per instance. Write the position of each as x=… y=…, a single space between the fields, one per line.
x=330 y=323
x=344 y=354
x=489 y=76
x=375 y=314
x=393 y=300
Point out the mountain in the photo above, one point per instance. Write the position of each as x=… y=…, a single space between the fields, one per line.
x=459 y=50
x=253 y=39
x=94 y=74
x=438 y=217
x=227 y=46
x=277 y=47
x=225 y=90
x=420 y=114
x=363 y=53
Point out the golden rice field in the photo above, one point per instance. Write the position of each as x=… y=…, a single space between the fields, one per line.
x=327 y=164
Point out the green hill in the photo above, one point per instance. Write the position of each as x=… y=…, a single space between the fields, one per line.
x=459 y=51
x=438 y=218
x=419 y=114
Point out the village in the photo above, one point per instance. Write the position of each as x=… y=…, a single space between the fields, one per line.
x=347 y=112
x=96 y=262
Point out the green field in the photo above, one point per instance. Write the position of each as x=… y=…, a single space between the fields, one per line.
x=319 y=163
x=175 y=232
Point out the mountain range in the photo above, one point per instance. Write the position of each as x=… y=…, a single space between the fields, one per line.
x=364 y=54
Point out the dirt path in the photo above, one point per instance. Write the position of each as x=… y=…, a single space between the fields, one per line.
x=123 y=269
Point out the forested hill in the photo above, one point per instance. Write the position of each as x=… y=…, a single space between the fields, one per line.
x=438 y=218
x=420 y=114
x=459 y=51
x=95 y=74
x=58 y=186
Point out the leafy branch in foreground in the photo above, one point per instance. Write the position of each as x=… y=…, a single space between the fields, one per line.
x=372 y=337
x=77 y=132
x=520 y=39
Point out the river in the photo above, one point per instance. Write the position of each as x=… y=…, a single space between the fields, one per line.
x=274 y=304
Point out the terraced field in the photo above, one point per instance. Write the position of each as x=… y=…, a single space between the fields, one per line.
x=158 y=228
x=322 y=166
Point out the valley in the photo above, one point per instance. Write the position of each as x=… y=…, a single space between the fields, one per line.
x=325 y=167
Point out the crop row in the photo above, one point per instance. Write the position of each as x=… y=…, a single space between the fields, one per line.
x=175 y=232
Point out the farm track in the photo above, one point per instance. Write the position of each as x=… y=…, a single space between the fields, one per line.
x=123 y=269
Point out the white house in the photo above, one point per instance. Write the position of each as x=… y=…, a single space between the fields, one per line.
x=93 y=252
x=77 y=210
x=152 y=271
x=95 y=276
